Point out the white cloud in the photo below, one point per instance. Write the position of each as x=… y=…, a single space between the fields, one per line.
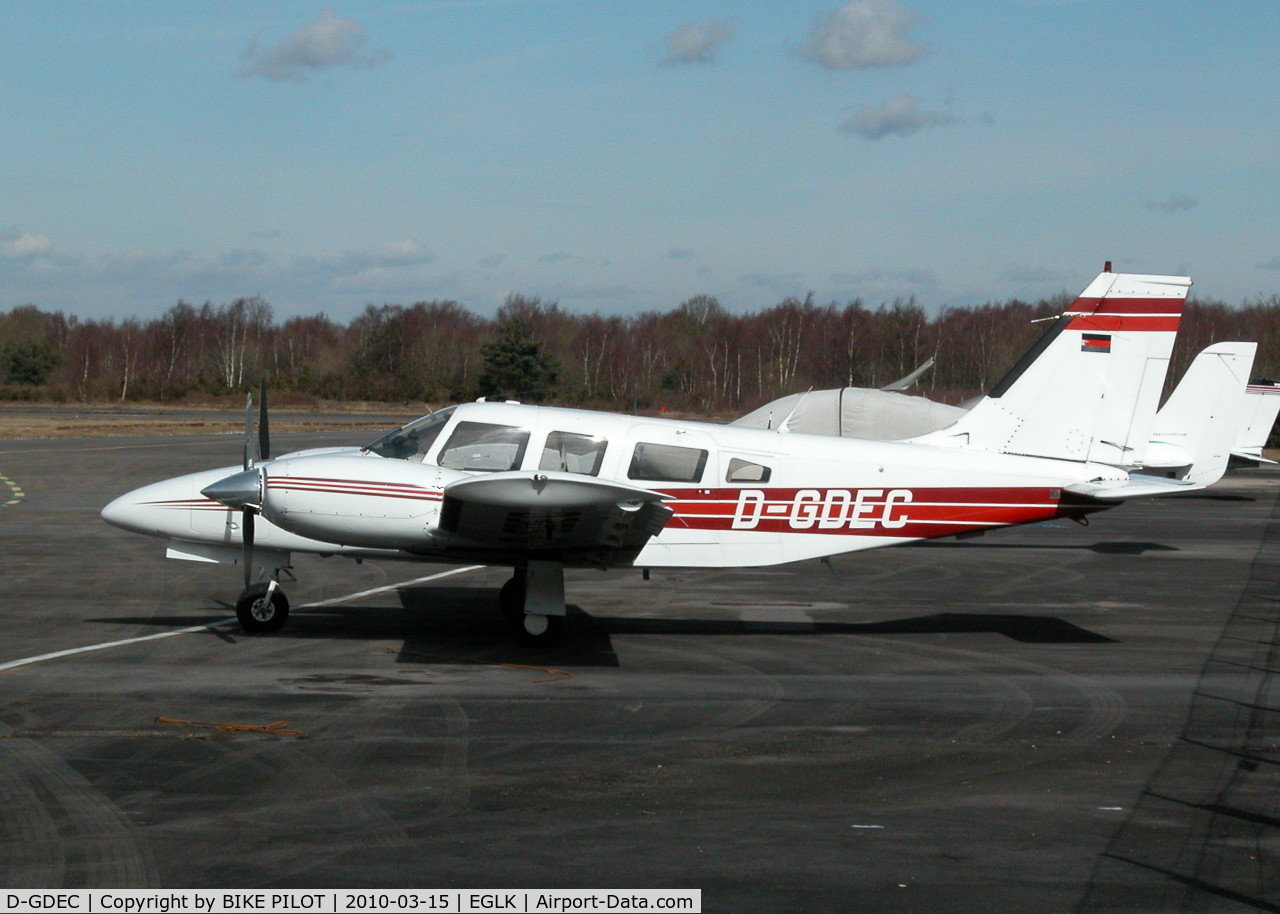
x=370 y=268
x=901 y=114
x=1177 y=203
x=402 y=253
x=330 y=41
x=863 y=33
x=19 y=245
x=696 y=43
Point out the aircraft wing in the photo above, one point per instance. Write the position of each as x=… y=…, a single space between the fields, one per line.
x=551 y=514
x=1136 y=486
x=905 y=383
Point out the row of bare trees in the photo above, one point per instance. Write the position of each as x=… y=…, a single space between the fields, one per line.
x=697 y=357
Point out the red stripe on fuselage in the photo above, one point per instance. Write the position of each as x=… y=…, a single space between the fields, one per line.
x=353 y=487
x=899 y=512
x=350 y=482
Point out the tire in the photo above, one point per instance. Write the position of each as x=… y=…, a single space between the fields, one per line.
x=257 y=614
x=539 y=631
x=511 y=599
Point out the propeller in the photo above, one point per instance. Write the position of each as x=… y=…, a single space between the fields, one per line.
x=248 y=510
x=247 y=489
x=264 y=434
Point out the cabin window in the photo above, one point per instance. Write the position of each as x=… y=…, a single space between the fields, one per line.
x=571 y=452
x=412 y=441
x=667 y=463
x=746 y=471
x=482 y=446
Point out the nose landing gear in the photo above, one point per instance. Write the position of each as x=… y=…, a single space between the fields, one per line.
x=262 y=608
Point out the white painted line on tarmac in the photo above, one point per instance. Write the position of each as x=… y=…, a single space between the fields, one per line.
x=386 y=587
x=27 y=661
x=209 y=626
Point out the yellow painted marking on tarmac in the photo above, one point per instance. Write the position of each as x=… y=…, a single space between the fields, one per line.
x=14 y=489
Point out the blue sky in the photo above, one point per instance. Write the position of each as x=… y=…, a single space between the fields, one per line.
x=623 y=156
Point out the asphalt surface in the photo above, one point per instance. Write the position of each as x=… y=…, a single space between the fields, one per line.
x=1052 y=718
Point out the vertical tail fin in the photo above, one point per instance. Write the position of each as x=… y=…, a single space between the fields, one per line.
x=1196 y=428
x=1257 y=417
x=1089 y=388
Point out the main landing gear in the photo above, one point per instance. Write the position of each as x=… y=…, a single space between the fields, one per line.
x=533 y=603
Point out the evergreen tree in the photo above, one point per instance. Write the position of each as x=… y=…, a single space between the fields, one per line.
x=29 y=364
x=513 y=366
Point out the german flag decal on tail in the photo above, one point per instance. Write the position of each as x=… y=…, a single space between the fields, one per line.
x=1095 y=342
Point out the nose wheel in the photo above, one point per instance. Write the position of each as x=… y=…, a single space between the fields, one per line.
x=262 y=608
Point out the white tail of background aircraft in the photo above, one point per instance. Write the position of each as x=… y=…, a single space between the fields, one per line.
x=1195 y=430
x=1088 y=390
x=1257 y=417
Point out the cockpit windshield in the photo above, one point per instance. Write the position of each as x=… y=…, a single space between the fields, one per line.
x=412 y=441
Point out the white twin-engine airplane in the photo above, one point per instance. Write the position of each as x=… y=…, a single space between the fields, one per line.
x=540 y=489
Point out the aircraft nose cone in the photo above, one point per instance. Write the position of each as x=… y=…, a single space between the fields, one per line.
x=236 y=490
x=122 y=512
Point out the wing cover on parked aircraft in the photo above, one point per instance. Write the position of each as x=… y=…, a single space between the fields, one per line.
x=551 y=514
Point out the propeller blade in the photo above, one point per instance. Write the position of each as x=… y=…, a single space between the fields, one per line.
x=248 y=431
x=247 y=534
x=264 y=434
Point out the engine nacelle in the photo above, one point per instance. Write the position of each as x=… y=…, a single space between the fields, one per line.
x=356 y=500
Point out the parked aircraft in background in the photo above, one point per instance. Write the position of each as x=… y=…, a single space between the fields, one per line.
x=539 y=489
x=1198 y=425
x=887 y=415
x=853 y=412
x=1257 y=418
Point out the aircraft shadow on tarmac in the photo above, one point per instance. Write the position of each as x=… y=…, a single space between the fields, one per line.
x=1105 y=548
x=1212 y=496
x=462 y=625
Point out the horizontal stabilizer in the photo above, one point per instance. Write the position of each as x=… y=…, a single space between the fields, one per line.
x=1250 y=457
x=1136 y=486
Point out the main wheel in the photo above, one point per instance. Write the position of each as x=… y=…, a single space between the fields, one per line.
x=259 y=613
x=511 y=598
x=539 y=631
